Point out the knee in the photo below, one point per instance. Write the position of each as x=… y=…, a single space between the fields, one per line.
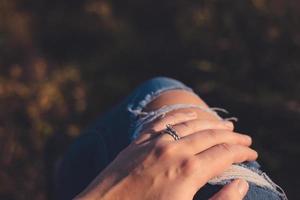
x=172 y=97
x=163 y=82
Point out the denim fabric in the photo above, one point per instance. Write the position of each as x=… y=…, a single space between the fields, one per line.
x=110 y=133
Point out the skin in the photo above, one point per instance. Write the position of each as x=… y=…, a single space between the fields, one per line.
x=155 y=166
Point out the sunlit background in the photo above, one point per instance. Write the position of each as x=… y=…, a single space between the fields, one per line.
x=62 y=63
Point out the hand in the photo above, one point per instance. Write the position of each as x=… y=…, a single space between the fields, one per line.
x=185 y=123
x=157 y=167
x=237 y=189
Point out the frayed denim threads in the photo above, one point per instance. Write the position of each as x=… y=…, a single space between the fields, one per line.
x=250 y=172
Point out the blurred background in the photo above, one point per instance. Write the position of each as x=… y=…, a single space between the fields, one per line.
x=62 y=63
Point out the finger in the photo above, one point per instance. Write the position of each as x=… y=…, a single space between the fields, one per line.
x=220 y=157
x=160 y=124
x=188 y=127
x=171 y=118
x=236 y=190
x=200 y=141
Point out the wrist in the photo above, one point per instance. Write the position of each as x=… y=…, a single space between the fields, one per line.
x=106 y=187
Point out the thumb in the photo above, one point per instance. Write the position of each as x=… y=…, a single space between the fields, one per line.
x=236 y=190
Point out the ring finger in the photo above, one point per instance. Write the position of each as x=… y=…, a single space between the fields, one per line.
x=193 y=126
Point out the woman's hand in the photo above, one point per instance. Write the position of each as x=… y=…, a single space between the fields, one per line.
x=155 y=166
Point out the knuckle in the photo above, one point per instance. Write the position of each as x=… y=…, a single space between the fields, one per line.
x=153 y=128
x=247 y=153
x=180 y=114
x=212 y=134
x=172 y=116
x=226 y=147
x=242 y=154
x=185 y=124
x=170 y=120
x=164 y=150
x=189 y=165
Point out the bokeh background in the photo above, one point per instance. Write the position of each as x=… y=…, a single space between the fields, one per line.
x=63 y=62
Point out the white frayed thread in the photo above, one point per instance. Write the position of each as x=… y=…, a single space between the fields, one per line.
x=277 y=187
x=147 y=117
x=153 y=95
x=137 y=112
x=152 y=115
x=235 y=119
x=219 y=109
x=235 y=171
x=251 y=175
x=231 y=119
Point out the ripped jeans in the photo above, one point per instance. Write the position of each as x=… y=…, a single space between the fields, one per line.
x=115 y=129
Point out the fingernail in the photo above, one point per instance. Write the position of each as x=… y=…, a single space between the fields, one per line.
x=228 y=124
x=248 y=138
x=242 y=187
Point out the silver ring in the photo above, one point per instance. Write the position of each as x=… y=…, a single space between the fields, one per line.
x=171 y=131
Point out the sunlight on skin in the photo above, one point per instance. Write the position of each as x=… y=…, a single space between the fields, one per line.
x=181 y=97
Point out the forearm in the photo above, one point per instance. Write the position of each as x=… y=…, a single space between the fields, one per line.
x=101 y=188
x=113 y=183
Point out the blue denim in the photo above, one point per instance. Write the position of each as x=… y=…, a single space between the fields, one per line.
x=99 y=144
